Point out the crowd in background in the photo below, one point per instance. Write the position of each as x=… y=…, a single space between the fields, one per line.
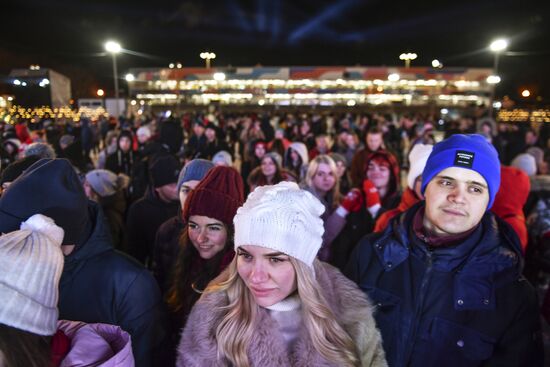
x=155 y=179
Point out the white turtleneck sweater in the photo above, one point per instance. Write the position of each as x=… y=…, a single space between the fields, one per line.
x=288 y=315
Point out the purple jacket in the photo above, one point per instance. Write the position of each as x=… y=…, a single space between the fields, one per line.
x=94 y=345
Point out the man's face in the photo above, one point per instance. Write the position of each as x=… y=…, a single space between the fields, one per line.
x=456 y=200
x=210 y=134
x=198 y=129
x=124 y=144
x=186 y=189
x=374 y=141
x=168 y=193
x=322 y=143
x=142 y=138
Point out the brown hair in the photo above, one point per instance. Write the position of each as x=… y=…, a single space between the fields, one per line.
x=20 y=348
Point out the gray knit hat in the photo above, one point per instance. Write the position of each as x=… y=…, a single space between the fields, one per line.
x=42 y=150
x=275 y=157
x=106 y=183
x=31 y=263
x=222 y=158
x=194 y=170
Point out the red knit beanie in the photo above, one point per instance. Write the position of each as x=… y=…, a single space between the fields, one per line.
x=218 y=196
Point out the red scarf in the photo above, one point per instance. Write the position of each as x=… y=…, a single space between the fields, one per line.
x=432 y=239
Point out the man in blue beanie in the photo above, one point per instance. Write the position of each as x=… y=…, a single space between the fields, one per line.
x=446 y=274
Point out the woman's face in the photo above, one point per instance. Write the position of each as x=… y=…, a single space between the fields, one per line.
x=208 y=235
x=88 y=190
x=378 y=173
x=259 y=150
x=340 y=168
x=294 y=155
x=268 y=167
x=267 y=273
x=323 y=180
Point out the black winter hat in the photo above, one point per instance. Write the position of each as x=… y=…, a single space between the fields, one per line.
x=16 y=169
x=164 y=170
x=50 y=187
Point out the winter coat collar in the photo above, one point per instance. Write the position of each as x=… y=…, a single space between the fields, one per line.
x=98 y=242
x=489 y=258
x=198 y=346
x=97 y=345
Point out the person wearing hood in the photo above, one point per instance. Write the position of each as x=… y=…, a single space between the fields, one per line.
x=417 y=161
x=296 y=160
x=158 y=204
x=124 y=158
x=510 y=200
x=30 y=332
x=380 y=192
x=98 y=283
x=447 y=274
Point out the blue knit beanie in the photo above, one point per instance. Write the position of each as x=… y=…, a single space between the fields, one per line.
x=194 y=170
x=470 y=151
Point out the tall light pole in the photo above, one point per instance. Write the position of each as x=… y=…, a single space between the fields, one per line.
x=408 y=57
x=207 y=56
x=497 y=46
x=114 y=48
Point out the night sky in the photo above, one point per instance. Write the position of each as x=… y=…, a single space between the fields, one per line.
x=68 y=35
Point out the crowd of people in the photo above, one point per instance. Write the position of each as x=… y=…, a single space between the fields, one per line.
x=274 y=239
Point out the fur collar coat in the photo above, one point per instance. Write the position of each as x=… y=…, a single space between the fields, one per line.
x=198 y=345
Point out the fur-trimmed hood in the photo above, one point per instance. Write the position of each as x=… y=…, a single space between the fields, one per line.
x=198 y=345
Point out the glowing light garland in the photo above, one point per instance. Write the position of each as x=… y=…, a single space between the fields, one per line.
x=34 y=115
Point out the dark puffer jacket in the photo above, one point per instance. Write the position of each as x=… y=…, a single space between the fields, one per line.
x=462 y=305
x=102 y=285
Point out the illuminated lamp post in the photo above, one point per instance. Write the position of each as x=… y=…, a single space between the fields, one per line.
x=408 y=57
x=497 y=46
x=207 y=56
x=114 y=48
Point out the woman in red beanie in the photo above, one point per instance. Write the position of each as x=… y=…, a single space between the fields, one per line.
x=207 y=241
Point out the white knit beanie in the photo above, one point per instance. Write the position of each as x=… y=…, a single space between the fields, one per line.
x=417 y=161
x=284 y=218
x=525 y=162
x=31 y=263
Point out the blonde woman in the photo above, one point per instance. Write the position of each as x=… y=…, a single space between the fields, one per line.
x=276 y=304
x=323 y=182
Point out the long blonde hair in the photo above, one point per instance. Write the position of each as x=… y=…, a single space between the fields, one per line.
x=312 y=168
x=236 y=329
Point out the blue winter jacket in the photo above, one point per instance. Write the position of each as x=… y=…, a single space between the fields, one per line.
x=102 y=285
x=463 y=305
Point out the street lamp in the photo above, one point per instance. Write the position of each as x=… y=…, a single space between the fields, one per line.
x=130 y=77
x=497 y=46
x=408 y=57
x=436 y=64
x=114 y=48
x=207 y=56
